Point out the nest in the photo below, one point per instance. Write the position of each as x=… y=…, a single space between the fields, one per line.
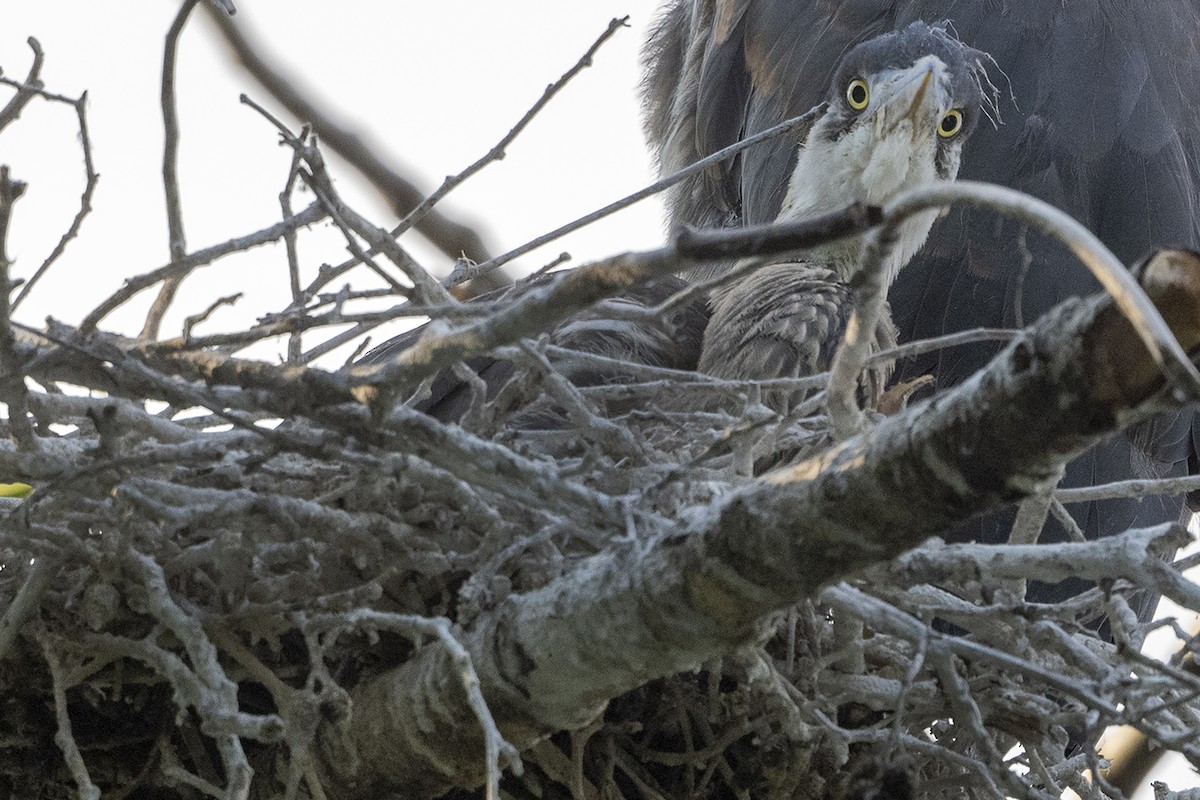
x=219 y=554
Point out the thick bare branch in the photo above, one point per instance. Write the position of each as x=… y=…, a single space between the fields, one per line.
x=548 y=659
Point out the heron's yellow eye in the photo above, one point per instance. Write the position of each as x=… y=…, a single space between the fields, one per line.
x=951 y=124
x=858 y=94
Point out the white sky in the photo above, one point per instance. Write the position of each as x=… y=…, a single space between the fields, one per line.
x=432 y=85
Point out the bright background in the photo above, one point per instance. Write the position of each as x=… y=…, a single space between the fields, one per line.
x=432 y=85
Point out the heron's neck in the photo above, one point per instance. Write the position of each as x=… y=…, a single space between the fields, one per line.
x=819 y=186
x=829 y=178
x=842 y=256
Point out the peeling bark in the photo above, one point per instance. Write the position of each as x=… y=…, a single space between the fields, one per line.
x=551 y=659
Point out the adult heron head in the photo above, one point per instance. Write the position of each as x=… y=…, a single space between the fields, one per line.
x=896 y=116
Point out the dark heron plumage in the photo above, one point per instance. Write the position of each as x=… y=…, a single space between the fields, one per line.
x=895 y=116
x=1100 y=119
x=672 y=342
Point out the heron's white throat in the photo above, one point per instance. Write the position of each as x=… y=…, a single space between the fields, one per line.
x=891 y=147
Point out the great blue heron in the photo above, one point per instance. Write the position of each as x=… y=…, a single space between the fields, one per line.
x=1101 y=120
x=895 y=116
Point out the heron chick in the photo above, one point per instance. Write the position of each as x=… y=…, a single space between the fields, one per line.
x=896 y=117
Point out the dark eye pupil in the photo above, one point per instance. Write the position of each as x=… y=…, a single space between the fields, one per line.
x=857 y=93
x=948 y=123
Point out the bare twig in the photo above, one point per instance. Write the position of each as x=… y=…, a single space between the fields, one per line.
x=947 y=340
x=65 y=738
x=453 y=238
x=498 y=151
x=427 y=289
x=465 y=272
x=176 y=241
x=12 y=365
x=91 y=179
x=871 y=285
x=295 y=341
x=27 y=601
x=192 y=321
x=201 y=258
x=25 y=91
x=1145 y=487
x=1027 y=526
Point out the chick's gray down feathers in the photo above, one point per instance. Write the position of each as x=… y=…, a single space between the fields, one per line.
x=786 y=321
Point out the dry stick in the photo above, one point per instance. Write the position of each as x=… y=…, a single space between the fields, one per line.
x=776 y=541
x=201 y=258
x=452 y=238
x=295 y=344
x=1132 y=488
x=473 y=272
x=177 y=242
x=1027 y=526
x=498 y=151
x=220 y=693
x=946 y=340
x=13 y=390
x=27 y=601
x=336 y=341
x=426 y=288
x=1128 y=555
x=195 y=319
x=852 y=355
x=702 y=240
x=541 y=306
x=495 y=745
x=26 y=91
x=85 y=199
x=1074 y=532
x=128 y=415
x=64 y=738
x=334 y=207
x=296 y=321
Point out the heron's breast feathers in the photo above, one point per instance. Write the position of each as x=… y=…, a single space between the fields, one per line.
x=786 y=321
